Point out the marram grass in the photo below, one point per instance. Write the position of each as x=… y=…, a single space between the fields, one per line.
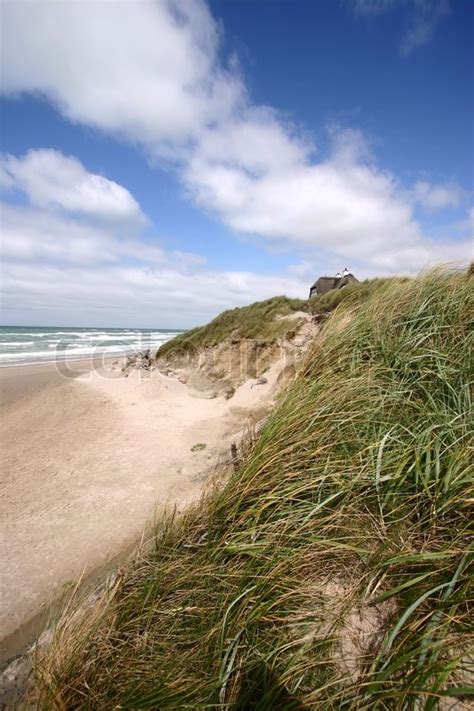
x=264 y=320
x=333 y=571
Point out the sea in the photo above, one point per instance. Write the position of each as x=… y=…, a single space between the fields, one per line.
x=28 y=345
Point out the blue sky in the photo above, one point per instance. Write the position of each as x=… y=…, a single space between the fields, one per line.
x=162 y=161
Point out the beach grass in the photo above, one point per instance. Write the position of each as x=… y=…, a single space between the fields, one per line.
x=264 y=320
x=355 y=293
x=261 y=320
x=333 y=569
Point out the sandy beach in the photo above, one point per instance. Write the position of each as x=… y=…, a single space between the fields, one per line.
x=87 y=460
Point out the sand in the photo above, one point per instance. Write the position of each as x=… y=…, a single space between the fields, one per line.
x=88 y=460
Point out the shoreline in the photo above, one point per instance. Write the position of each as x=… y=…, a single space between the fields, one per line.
x=21 y=639
x=21 y=378
x=82 y=359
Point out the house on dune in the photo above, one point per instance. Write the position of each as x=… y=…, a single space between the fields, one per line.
x=327 y=283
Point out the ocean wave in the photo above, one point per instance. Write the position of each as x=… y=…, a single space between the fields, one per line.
x=58 y=345
x=16 y=343
x=65 y=354
x=91 y=345
x=109 y=337
x=28 y=333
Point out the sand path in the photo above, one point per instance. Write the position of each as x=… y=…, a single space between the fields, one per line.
x=86 y=461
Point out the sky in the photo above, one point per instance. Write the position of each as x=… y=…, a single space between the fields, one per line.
x=163 y=161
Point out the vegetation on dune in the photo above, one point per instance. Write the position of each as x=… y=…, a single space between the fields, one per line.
x=259 y=320
x=264 y=320
x=332 y=570
x=354 y=293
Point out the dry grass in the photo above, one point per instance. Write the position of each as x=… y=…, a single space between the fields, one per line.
x=330 y=572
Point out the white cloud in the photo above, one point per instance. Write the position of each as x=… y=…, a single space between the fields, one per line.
x=253 y=141
x=40 y=237
x=465 y=227
x=62 y=270
x=470 y=220
x=304 y=269
x=427 y=14
x=341 y=205
x=373 y=7
x=33 y=235
x=152 y=74
x=146 y=70
x=437 y=197
x=59 y=269
x=164 y=295
x=53 y=180
x=344 y=206
x=423 y=17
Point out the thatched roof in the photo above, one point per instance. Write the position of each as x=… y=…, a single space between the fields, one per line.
x=327 y=283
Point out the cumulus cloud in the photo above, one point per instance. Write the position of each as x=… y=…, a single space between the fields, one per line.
x=61 y=267
x=437 y=197
x=342 y=205
x=37 y=235
x=125 y=295
x=153 y=75
x=53 y=180
x=148 y=71
x=253 y=141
